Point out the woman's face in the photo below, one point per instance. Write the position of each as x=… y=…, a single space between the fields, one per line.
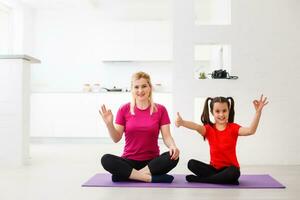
x=141 y=89
x=220 y=113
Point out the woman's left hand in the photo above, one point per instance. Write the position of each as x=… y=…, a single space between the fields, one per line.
x=174 y=152
x=259 y=104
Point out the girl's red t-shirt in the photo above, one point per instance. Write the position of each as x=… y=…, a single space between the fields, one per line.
x=222 y=145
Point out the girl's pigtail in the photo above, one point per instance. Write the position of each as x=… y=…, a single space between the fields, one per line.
x=205 y=114
x=231 y=110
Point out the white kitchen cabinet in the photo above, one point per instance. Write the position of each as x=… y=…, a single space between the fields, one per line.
x=76 y=114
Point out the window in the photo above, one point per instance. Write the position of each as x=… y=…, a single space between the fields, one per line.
x=212 y=12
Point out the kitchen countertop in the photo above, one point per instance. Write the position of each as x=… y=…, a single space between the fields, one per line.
x=21 y=56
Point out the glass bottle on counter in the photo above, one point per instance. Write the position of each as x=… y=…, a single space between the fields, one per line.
x=87 y=87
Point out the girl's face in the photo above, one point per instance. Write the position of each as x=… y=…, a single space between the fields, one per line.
x=220 y=113
x=141 y=89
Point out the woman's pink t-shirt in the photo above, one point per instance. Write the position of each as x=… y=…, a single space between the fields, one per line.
x=141 y=131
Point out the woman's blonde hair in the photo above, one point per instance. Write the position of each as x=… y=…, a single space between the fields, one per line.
x=137 y=76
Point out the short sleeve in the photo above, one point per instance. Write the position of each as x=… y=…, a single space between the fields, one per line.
x=235 y=128
x=164 y=119
x=120 y=117
x=207 y=130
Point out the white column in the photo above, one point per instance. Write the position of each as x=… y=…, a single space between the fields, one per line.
x=14 y=109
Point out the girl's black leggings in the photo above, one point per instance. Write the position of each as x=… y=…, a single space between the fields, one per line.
x=121 y=168
x=208 y=174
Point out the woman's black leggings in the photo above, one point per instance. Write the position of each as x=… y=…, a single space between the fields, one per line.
x=208 y=174
x=121 y=168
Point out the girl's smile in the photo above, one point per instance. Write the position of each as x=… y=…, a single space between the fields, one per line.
x=220 y=113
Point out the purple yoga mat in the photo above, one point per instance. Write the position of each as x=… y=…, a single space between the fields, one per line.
x=246 y=181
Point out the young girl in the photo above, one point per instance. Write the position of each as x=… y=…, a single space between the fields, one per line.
x=222 y=137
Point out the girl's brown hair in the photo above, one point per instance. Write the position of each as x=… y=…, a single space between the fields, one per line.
x=205 y=114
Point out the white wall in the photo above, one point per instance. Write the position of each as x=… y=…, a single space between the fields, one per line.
x=22 y=27
x=73 y=42
x=264 y=39
x=5 y=29
x=265 y=47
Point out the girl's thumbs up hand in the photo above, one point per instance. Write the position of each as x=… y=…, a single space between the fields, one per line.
x=178 y=120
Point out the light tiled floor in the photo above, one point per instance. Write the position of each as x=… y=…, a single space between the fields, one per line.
x=58 y=170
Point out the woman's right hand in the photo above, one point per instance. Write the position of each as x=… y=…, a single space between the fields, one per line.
x=106 y=115
x=179 y=120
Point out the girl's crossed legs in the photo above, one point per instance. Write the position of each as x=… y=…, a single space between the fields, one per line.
x=208 y=174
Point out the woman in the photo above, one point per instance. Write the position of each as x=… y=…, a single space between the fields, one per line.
x=141 y=121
